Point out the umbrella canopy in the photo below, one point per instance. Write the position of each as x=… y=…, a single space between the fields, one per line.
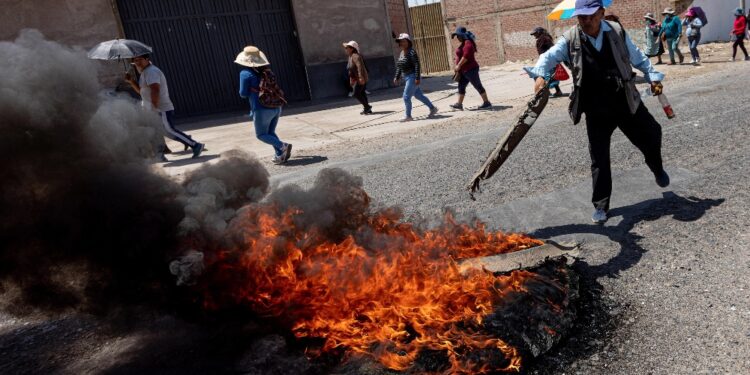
x=564 y=10
x=118 y=49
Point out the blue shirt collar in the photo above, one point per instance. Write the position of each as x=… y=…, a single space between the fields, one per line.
x=599 y=40
x=604 y=28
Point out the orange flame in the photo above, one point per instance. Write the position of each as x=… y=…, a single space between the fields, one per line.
x=386 y=290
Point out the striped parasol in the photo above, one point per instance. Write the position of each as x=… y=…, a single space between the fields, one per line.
x=565 y=9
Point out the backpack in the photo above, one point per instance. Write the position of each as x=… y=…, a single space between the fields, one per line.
x=270 y=95
x=700 y=14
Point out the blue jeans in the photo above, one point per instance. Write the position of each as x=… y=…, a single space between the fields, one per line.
x=412 y=89
x=265 y=121
x=673 y=45
x=694 y=40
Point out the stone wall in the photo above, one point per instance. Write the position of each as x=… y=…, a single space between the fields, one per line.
x=324 y=26
x=78 y=23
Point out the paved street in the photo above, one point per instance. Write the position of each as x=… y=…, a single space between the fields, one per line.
x=672 y=263
x=667 y=276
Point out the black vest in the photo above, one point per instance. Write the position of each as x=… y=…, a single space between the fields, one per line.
x=602 y=88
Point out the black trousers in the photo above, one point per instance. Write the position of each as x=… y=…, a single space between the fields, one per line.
x=361 y=95
x=641 y=129
x=739 y=42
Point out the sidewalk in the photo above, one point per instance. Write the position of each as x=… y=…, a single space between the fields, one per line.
x=339 y=120
x=308 y=126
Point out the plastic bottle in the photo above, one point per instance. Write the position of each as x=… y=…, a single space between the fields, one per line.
x=666 y=106
x=662 y=100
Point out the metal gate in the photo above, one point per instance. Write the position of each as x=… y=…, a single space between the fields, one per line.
x=196 y=41
x=429 y=37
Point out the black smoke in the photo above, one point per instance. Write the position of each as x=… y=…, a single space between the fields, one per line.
x=86 y=219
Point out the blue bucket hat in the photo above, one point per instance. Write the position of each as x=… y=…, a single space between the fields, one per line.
x=460 y=31
x=587 y=7
x=738 y=12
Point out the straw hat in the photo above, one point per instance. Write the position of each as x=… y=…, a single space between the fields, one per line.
x=252 y=57
x=650 y=16
x=352 y=44
x=668 y=11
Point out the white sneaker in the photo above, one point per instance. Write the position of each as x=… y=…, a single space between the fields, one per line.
x=599 y=216
x=433 y=112
x=278 y=159
x=406 y=119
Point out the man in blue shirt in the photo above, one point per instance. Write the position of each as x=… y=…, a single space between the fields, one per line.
x=601 y=57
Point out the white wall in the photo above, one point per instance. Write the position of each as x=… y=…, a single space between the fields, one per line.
x=720 y=15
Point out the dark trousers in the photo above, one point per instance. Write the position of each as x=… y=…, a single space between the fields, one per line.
x=739 y=42
x=641 y=129
x=472 y=76
x=361 y=95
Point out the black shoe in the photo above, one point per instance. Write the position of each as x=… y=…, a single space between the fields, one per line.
x=197 y=149
x=457 y=106
x=558 y=94
x=286 y=152
x=166 y=149
x=662 y=179
x=485 y=105
x=367 y=111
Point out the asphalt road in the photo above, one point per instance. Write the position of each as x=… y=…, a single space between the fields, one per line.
x=666 y=278
x=672 y=263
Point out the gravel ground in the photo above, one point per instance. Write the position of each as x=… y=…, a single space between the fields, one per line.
x=671 y=273
x=664 y=283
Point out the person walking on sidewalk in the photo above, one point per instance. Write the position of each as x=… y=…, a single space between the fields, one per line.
x=654 y=44
x=693 y=26
x=671 y=32
x=602 y=56
x=738 y=33
x=358 y=76
x=154 y=92
x=407 y=67
x=467 y=68
x=258 y=85
x=543 y=43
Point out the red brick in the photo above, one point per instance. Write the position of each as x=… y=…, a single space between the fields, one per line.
x=515 y=19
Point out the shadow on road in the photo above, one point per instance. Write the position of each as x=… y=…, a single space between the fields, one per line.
x=680 y=208
x=300 y=161
x=598 y=316
x=184 y=162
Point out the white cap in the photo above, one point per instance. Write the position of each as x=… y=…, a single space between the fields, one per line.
x=403 y=36
x=352 y=44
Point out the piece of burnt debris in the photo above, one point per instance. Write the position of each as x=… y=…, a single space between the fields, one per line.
x=532 y=320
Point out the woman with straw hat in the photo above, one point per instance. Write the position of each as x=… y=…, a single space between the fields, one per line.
x=671 y=31
x=654 y=45
x=265 y=116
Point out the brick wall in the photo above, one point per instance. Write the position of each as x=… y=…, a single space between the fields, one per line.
x=397 y=12
x=399 y=18
x=502 y=27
